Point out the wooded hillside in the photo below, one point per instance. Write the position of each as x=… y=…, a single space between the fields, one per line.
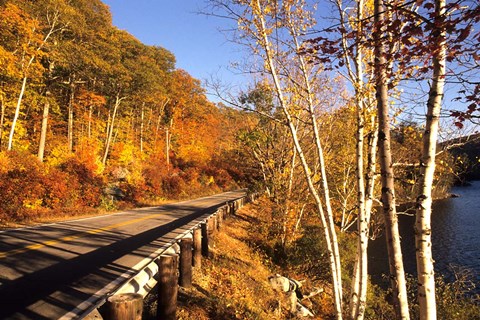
x=90 y=115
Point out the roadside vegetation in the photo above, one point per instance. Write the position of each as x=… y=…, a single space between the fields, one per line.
x=233 y=283
x=92 y=119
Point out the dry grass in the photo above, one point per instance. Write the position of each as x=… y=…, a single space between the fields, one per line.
x=233 y=284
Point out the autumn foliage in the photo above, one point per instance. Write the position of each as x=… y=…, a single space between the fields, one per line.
x=92 y=118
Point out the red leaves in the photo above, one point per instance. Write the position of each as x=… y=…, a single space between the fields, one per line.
x=464 y=33
x=429 y=6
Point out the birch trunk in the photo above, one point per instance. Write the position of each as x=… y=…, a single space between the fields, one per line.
x=167 y=146
x=360 y=272
x=423 y=242
x=89 y=127
x=265 y=42
x=43 y=131
x=397 y=273
x=111 y=127
x=288 y=195
x=142 y=116
x=70 y=115
x=25 y=68
x=326 y=193
x=17 y=113
x=2 y=120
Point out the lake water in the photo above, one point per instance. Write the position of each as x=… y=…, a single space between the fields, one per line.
x=455 y=237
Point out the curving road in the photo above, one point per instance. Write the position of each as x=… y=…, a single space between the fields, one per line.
x=61 y=270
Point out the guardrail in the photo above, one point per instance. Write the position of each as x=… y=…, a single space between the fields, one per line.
x=172 y=266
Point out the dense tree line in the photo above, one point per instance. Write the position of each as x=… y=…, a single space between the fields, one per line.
x=105 y=116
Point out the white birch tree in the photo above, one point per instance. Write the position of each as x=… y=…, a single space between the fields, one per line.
x=397 y=273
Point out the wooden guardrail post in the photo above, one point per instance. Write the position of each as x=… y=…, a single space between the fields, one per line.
x=197 y=247
x=167 y=287
x=214 y=223
x=211 y=222
x=230 y=208
x=205 y=250
x=219 y=219
x=124 y=306
x=224 y=212
x=185 y=279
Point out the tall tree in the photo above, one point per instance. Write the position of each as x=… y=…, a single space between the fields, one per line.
x=260 y=21
x=31 y=37
x=423 y=242
x=397 y=273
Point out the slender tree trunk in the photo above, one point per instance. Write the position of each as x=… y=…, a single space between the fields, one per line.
x=142 y=115
x=288 y=196
x=17 y=113
x=107 y=129
x=25 y=67
x=111 y=127
x=360 y=280
x=167 y=146
x=2 y=120
x=324 y=181
x=265 y=42
x=397 y=273
x=89 y=127
x=43 y=131
x=70 y=115
x=360 y=272
x=371 y=164
x=168 y=138
x=423 y=242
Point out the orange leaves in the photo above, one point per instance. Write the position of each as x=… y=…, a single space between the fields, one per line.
x=21 y=38
x=28 y=187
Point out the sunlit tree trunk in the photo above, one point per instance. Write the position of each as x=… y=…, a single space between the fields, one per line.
x=287 y=206
x=365 y=181
x=260 y=24
x=71 y=98
x=43 y=131
x=17 y=113
x=90 y=118
x=304 y=69
x=111 y=127
x=2 y=119
x=371 y=167
x=397 y=273
x=142 y=116
x=167 y=141
x=423 y=242
x=25 y=67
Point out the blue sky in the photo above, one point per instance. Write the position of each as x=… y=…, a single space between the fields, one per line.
x=195 y=40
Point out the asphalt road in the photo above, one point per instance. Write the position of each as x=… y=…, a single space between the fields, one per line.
x=58 y=271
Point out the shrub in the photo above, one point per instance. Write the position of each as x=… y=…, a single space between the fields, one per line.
x=83 y=179
x=173 y=185
x=21 y=186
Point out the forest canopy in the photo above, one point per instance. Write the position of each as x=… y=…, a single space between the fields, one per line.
x=92 y=117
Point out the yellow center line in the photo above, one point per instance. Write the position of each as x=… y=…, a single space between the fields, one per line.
x=48 y=243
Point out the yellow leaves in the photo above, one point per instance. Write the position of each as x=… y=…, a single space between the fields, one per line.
x=210 y=180
x=32 y=203
x=5 y=163
x=270 y=163
x=58 y=155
